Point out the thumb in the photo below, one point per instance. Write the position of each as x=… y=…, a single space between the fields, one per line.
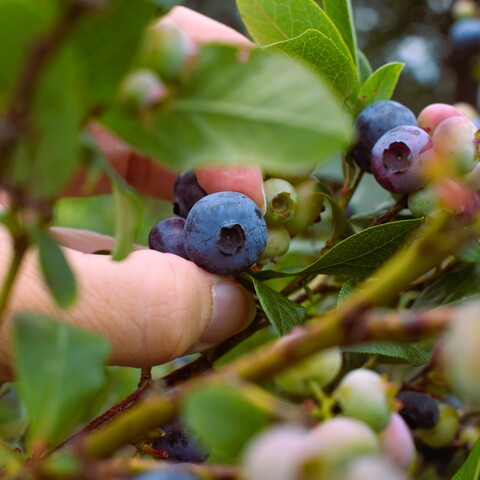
x=152 y=307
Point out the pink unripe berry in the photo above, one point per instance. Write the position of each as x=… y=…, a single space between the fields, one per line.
x=396 y=442
x=432 y=115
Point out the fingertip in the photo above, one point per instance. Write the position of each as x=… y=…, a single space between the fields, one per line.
x=247 y=180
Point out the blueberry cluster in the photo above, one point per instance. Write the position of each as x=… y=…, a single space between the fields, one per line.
x=223 y=233
x=407 y=154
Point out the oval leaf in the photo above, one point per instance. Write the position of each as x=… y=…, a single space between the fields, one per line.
x=56 y=271
x=59 y=370
x=233 y=111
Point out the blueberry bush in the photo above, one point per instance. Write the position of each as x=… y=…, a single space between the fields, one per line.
x=362 y=360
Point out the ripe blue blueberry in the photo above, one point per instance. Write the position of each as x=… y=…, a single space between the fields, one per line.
x=186 y=193
x=178 y=444
x=465 y=34
x=375 y=120
x=225 y=233
x=419 y=410
x=167 y=236
x=398 y=159
x=165 y=474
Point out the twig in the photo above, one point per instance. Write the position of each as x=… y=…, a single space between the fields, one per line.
x=391 y=212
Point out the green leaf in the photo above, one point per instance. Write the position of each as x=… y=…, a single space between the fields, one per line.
x=271 y=21
x=340 y=12
x=326 y=57
x=281 y=312
x=233 y=111
x=107 y=43
x=56 y=271
x=127 y=209
x=359 y=255
x=224 y=419
x=59 y=370
x=49 y=151
x=454 y=285
x=346 y=291
x=470 y=470
x=379 y=86
x=409 y=353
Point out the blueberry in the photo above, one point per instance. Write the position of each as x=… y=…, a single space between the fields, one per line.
x=178 y=444
x=282 y=201
x=444 y=431
x=225 y=233
x=434 y=114
x=165 y=474
x=375 y=120
x=398 y=159
x=167 y=236
x=419 y=410
x=186 y=193
x=465 y=35
x=141 y=90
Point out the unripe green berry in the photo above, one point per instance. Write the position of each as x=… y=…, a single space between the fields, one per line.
x=141 y=90
x=322 y=368
x=309 y=206
x=444 y=431
x=423 y=202
x=166 y=49
x=282 y=201
x=277 y=244
x=365 y=395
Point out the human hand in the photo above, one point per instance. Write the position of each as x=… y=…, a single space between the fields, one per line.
x=152 y=306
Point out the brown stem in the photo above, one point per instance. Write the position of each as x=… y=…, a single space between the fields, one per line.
x=390 y=213
x=14 y=123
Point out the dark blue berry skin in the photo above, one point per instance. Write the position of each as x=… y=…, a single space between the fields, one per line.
x=166 y=475
x=167 y=237
x=178 y=444
x=419 y=410
x=375 y=120
x=397 y=159
x=465 y=35
x=225 y=233
x=186 y=193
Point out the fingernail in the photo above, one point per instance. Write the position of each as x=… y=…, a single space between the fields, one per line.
x=233 y=309
x=263 y=206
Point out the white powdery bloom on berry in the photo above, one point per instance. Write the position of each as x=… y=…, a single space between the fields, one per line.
x=276 y=454
x=364 y=395
x=461 y=352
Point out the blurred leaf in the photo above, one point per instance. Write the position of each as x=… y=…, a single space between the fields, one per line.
x=223 y=418
x=59 y=370
x=364 y=67
x=470 y=470
x=413 y=355
x=358 y=255
x=233 y=111
x=281 y=312
x=128 y=208
x=379 y=86
x=454 y=285
x=49 y=151
x=20 y=22
x=107 y=42
x=326 y=57
x=56 y=271
x=340 y=12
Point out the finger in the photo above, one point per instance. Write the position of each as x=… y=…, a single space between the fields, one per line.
x=152 y=307
x=202 y=29
x=142 y=173
x=246 y=180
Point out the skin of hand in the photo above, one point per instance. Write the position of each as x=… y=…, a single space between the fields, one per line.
x=152 y=307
